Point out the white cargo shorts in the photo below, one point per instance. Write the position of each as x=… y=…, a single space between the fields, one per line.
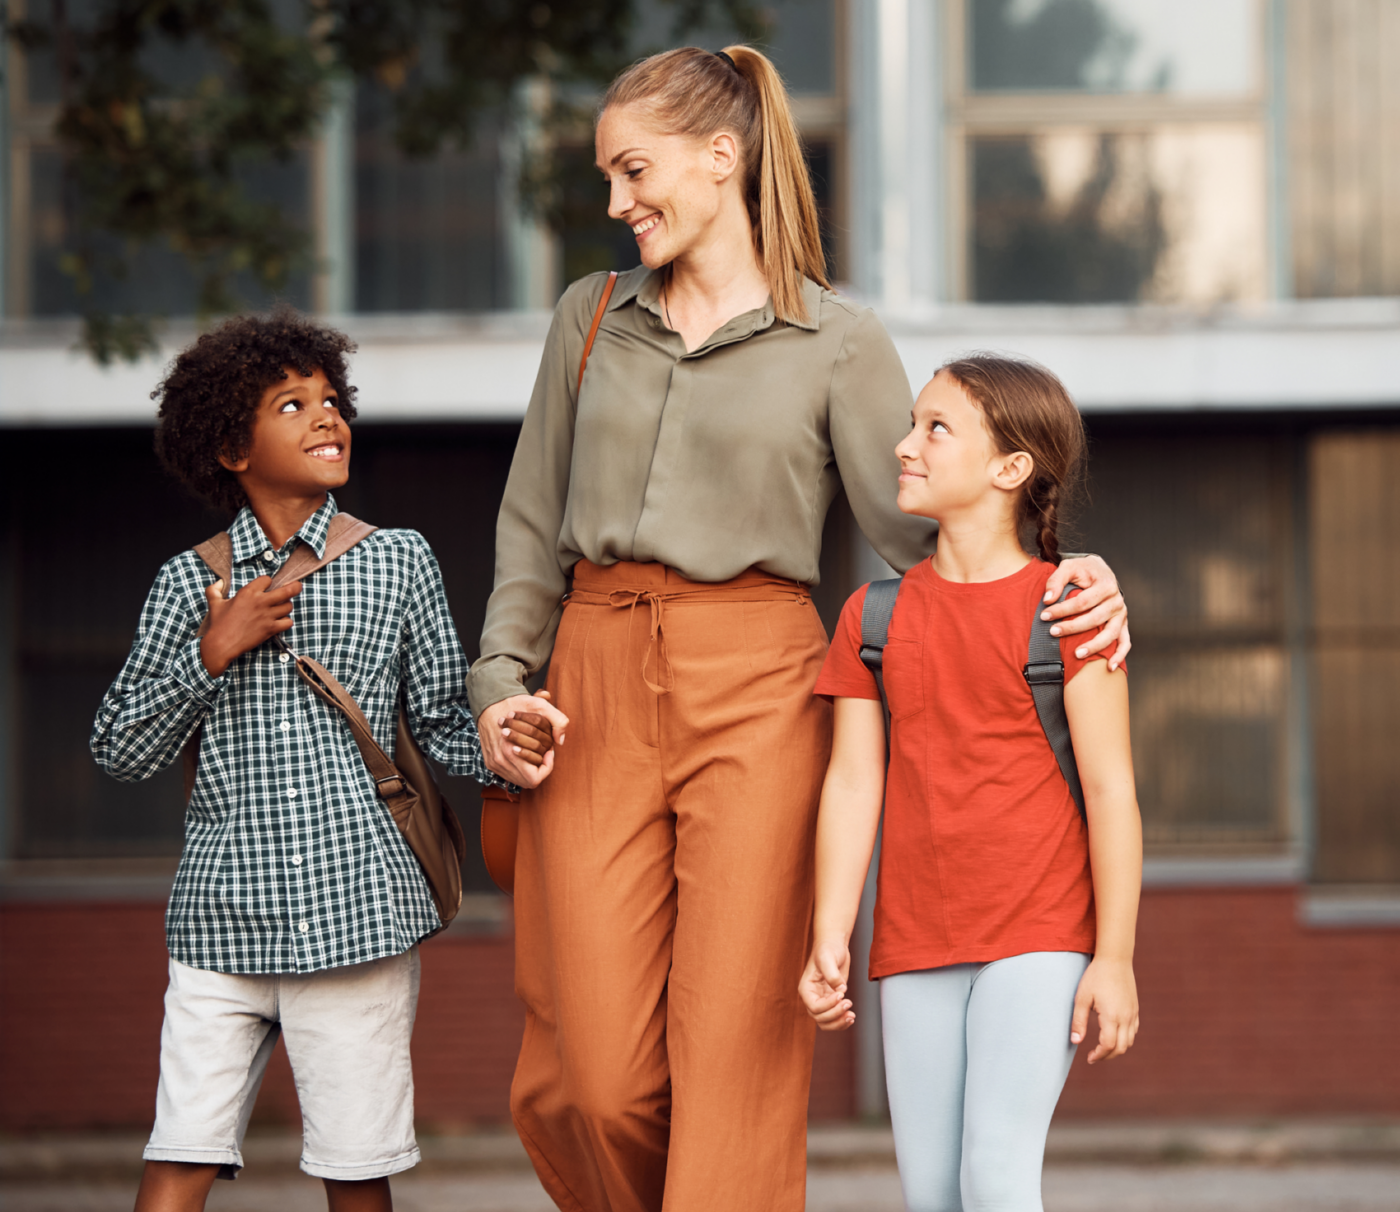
x=347 y=1032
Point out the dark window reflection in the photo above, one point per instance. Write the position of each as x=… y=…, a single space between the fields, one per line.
x=1099 y=245
x=428 y=233
x=1052 y=48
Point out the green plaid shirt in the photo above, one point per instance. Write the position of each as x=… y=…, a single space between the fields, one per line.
x=291 y=861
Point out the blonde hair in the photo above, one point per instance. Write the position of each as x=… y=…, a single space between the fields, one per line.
x=696 y=92
x=1026 y=407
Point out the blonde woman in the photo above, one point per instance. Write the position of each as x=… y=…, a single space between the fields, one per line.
x=659 y=532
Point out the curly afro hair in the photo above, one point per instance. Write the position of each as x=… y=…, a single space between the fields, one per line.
x=209 y=397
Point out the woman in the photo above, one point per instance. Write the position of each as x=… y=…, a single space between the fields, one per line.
x=665 y=867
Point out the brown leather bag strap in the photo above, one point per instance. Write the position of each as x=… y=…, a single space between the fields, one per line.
x=387 y=779
x=593 y=332
x=217 y=553
x=341 y=535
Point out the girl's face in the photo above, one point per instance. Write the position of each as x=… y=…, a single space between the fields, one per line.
x=669 y=189
x=949 y=464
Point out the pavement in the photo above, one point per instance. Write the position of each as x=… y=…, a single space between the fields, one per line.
x=1124 y=1166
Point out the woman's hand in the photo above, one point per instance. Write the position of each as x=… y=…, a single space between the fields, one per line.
x=505 y=725
x=1100 y=604
x=1107 y=986
x=823 y=986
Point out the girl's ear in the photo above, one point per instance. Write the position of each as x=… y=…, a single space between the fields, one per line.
x=1010 y=471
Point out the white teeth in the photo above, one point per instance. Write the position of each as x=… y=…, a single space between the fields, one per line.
x=324 y=452
x=646 y=225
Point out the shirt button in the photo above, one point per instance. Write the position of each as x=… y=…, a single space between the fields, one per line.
x=304 y=927
x=285 y=725
x=296 y=860
x=269 y=555
x=285 y=657
x=291 y=793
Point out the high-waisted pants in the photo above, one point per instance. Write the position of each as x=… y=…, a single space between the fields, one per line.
x=663 y=897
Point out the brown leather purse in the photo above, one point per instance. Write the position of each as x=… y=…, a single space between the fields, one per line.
x=500 y=819
x=407 y=787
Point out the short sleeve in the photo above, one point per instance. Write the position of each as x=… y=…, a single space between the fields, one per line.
x=1072 y=663
x=844 y=675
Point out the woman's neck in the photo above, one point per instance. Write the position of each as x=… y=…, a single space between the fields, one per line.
x=718 y=279
x=978 y=549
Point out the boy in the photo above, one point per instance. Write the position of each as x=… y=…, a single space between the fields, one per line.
x=297 y=905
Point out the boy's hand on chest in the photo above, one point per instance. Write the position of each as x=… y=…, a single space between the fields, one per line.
x=245 y=621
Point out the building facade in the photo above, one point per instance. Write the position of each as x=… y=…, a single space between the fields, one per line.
x=1190 y=209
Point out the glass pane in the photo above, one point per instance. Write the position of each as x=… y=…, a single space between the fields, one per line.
x=1198 y=529
x=428 y=233
x=1181 y=47
x=801 y=39
x=1077 y=215
x=158 y=280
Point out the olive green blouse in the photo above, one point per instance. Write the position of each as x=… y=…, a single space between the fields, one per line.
x=712 y=461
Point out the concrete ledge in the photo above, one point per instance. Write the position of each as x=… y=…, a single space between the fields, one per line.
x=1343 y=907
x=829 y=1147
x=1224 y=871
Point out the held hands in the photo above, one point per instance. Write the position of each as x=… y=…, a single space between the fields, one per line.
x=242 y=623
x=1099 y=605
x=518 y=735
x=823 y=985
x=1107 y=986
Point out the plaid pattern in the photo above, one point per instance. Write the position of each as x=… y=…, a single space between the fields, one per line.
x=291 y=861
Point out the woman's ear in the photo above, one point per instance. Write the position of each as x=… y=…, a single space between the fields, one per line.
x=724 y=156
x=1010 y=471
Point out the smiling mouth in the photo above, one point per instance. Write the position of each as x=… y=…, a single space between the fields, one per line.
x=331 y=452
x=641 y=229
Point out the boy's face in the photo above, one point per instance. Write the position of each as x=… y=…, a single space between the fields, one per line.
x=299 y=446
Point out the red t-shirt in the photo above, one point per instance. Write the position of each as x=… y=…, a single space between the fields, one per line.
x=984 y=854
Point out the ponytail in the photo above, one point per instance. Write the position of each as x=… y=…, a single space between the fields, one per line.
x=1026 y=408
x=694 y=92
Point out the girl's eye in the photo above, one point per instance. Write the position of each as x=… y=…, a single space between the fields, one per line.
x=939 y=427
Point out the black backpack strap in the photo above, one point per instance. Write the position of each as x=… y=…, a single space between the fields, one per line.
x=1045 y=673
x=875 y=616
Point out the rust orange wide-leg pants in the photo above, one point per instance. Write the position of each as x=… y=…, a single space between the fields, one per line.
x=663 y=897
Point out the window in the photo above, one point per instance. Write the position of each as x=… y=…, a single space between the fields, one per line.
x=1200 y=529
x=1108 y=150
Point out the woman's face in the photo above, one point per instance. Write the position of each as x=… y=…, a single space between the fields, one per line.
x=669 y=189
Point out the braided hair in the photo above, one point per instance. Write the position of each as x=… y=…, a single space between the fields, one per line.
x=1026 y=408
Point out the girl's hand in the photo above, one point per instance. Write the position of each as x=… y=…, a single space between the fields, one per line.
x=1107 y=986
x=1100 y=604
x=500 y=751
x=823 y=986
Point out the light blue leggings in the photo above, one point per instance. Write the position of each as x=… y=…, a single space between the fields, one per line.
x=975 y=1058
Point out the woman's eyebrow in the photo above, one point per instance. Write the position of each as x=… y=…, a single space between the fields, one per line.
x=622 y=155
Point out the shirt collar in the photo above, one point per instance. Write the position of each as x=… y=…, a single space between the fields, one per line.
x=645 y=287
x=249 y=541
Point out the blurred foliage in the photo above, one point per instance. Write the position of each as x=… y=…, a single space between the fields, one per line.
x=165 y=105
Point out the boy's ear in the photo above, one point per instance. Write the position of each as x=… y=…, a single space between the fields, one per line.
x=233 y=463
x=1010 y=471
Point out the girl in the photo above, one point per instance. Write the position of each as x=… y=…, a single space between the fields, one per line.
x=1001 y=918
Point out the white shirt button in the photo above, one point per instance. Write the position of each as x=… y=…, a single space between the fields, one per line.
x=285 y=657
x=285 y=725
x=296 y=860
x=304 y=927
x=269 y=555
x=291 y=793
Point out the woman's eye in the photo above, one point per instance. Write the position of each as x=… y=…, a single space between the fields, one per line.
x=633 y=173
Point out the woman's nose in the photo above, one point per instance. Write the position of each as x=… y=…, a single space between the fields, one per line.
x=619 y=199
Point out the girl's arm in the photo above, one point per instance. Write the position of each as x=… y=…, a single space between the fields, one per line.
x=1096 y=702
x=852 y=796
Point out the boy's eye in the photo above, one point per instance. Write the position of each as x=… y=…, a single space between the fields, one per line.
x=331 y=403
x=290 y=406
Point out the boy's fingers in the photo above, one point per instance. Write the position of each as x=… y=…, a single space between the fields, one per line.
x=556 y=718
x=215 y=592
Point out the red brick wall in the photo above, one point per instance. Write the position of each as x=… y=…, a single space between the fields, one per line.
x=1244 y=1012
